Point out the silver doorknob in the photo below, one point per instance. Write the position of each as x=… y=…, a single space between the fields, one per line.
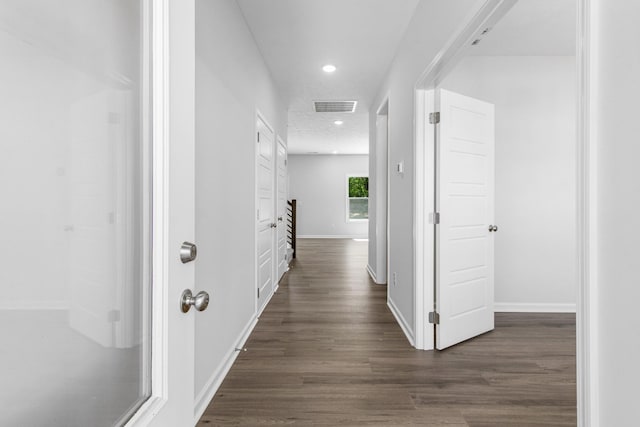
x=200 y=301
x=274 y=225
x=493 y=228
x=188 y=252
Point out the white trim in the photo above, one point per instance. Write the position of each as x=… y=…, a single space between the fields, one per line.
x=404 y=325
x=373 y=275
x=267 y=301
x=333 y=236
x=34 y=305
x=348 y=199
x=386 y=102
x=424 y=188
x=256 y=152
x=586 y=307
x=587 y=335
x=160 y=90
x=522 y=307
x=205 y=397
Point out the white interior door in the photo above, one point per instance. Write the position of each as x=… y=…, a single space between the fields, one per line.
x=266 y=221
x=281 y=207
x=465 y=200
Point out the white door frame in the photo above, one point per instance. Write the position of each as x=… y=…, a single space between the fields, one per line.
x=261 y=117
x=586 y=317
x=172 y=28
x=383 y=179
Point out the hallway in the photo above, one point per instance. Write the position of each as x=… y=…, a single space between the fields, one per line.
x=327 y=351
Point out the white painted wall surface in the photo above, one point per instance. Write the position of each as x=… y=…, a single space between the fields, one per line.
x=616 y=114
x=433 y=24
x=232 y=81
x=319 y=184
x=535 y=104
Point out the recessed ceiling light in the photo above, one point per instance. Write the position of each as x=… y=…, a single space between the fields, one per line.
x=338 y=122
x=329 y=68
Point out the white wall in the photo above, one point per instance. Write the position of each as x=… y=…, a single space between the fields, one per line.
x=232 y=81
x=319 y=184
x=432 y=25
x=535 y=100
x=615 y=111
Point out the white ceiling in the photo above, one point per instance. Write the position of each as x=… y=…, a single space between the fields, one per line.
x=298 y=37
x=532 y=28
x=360 y=37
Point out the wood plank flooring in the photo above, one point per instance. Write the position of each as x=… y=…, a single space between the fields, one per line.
x=328 y=352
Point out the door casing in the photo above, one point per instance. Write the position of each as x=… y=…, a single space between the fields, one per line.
x=424 y=139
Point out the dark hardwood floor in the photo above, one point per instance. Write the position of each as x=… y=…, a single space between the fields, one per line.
x=328 y=352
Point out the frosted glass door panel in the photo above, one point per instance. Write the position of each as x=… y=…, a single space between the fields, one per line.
x=74 y=215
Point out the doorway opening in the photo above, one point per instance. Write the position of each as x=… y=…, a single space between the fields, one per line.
x=537 y=160
x=379 y=201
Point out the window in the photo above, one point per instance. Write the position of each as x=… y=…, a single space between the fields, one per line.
x=357 y=198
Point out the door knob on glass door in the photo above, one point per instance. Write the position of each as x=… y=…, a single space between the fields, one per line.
x=200 y=301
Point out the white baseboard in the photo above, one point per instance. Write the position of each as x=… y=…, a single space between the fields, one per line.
x=372 y=274
x=326 y=236
x=519 y=307
x=209 y=390
x=402 y=322
x=37 y=305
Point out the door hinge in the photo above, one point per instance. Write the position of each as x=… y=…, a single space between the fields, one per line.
x=258 y=137
x=434 y=317
x=258 y=293
x=434 y=118
x=434 y=218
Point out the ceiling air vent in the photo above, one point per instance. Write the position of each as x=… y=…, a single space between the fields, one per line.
x=335 y=106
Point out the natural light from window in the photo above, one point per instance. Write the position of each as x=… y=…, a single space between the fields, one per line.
x=357 y=198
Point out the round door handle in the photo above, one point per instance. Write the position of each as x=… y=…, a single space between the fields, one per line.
x=274 y=225
x=493 y=228
x=200 y=301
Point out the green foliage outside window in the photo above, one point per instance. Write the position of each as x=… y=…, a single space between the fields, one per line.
x=358 y=186
x=358 y=202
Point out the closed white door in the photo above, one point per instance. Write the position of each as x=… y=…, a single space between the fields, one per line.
x=266 y=221
x=281 y=208
x=465 y=201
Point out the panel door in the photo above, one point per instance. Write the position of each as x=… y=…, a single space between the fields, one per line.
x=266 y=222
x=465 y=201
x=281 y=207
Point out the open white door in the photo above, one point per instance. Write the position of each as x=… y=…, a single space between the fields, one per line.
x=465 y=196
